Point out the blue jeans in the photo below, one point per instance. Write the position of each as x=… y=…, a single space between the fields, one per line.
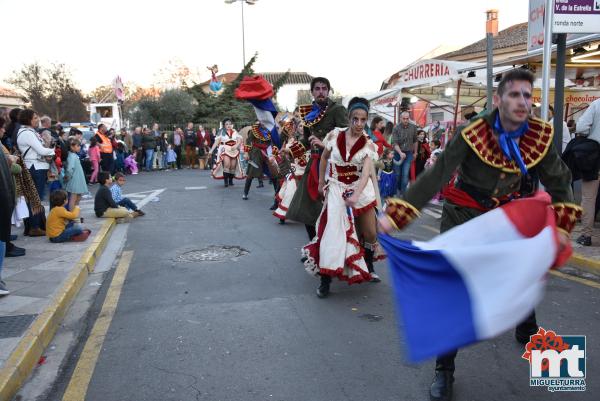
x=2 y=250
x=71 y=230
x=126 y=202
x=149 y=154
x=39 y=180
x=403 y=170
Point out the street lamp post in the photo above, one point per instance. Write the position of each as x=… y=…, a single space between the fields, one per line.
x=250 y=3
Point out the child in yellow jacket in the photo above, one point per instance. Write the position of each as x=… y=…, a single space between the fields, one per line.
x=60 y=226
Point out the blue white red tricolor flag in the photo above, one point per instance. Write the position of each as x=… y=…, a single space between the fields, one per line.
x=475 y=281
x=259 y=92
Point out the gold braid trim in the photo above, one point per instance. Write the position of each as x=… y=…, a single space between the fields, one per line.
x=566 y=215
x=307 y=108
x=400 y=213
x=534 y=145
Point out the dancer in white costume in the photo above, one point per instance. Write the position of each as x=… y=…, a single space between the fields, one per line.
x=348 y=215
x=228 y=164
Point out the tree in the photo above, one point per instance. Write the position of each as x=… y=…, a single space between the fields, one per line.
x=225 y=105
x=175 y=106
x=51 y=91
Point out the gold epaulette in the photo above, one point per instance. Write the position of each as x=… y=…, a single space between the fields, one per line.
x=534 y=144
x=400 y=213
x=566 y=215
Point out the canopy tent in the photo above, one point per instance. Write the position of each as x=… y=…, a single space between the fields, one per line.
x=439 y=83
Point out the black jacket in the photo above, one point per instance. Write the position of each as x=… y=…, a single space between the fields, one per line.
x=7 y=198
x=103 y=201
x=582 y=156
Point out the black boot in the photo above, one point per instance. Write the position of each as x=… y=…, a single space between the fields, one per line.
x=231 y=179
x=247 y=185
x=274 y=206
x=369 y=256
x=260 y=183
x=526 y=329
x=441 y=387
x=226 y=179
x=323 y=290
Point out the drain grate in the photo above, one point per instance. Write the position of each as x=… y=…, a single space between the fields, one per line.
x=14 y=326
x=213 y=253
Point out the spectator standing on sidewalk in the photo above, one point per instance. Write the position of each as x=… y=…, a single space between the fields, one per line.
x=190 y=145
x=149 y=144
x=35 y=156
x=7 y=200
x=404 y=138
x=127 y=140
x=589 y=125
x=203 y=143
x=74 y=178
x=107 y=160
x=136 y=143
x=177 y=142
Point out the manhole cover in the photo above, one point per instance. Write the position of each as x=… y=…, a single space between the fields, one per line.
x=213 y=253
x=14 y=326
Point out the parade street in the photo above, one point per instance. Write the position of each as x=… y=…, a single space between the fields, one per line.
x=250 y=326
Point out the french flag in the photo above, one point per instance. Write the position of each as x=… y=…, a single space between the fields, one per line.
x=259 y=92
x=476 y=280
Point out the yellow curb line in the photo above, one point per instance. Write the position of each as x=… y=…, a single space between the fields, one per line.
x=26 y=354
x=589 y=264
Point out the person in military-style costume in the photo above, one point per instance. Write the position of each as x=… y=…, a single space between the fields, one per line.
x=318 y=119
x=499 y=156
x=259 y=151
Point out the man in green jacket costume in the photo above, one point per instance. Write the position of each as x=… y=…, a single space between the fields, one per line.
x=318 y=119
x=497 y=157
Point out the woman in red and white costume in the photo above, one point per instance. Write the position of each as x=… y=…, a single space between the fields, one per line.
x=348 y=214
x=228 y=163
x=295 y=151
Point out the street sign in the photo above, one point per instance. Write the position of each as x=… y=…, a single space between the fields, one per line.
x=535 y=26
x=576 y=16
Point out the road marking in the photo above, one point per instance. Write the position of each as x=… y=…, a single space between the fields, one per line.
x=430 y=212
x=148 y=198
x=78 y=385
x=575 y=278
x=193 y=188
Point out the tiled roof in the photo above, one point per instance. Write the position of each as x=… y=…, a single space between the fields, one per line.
x=9 y=92
x=515 y=35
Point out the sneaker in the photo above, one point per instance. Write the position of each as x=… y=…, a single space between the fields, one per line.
x=122 y=220
x=245 y=197
x=140 y=213
x=3 y=289
x=375 y=278
x=584 y=240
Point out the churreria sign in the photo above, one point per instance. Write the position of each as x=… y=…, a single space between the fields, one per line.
x=556 y=362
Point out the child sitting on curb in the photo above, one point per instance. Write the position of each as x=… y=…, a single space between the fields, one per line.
x=117 y=195
x=60 y=226
x=104 y=205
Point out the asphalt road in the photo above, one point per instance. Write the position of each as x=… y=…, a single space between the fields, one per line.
x=253 y=329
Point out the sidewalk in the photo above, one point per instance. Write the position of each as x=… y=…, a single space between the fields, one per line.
x=587 y=257
x=42 y=283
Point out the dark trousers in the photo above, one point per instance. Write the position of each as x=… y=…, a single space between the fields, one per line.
x=107 y=162
x=446 y=361
x=39 y=180
x=126 y=202
x=178 y=153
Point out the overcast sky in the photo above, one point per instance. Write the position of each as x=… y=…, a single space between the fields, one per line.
x=355 y=43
